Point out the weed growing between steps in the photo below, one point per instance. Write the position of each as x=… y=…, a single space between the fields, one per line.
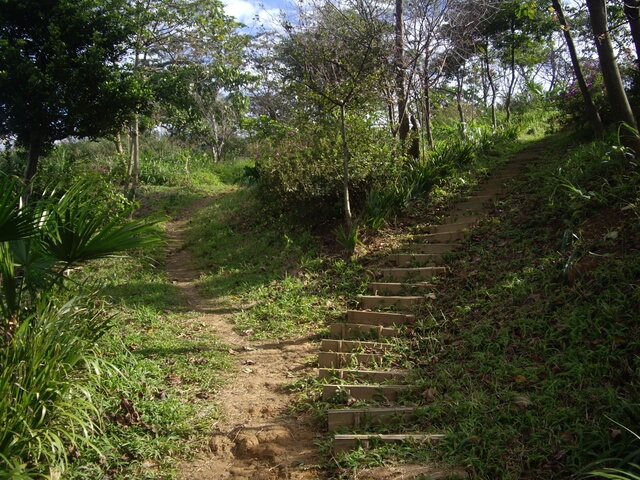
x=528 y=357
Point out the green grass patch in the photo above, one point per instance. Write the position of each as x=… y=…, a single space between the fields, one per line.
x=527 y=358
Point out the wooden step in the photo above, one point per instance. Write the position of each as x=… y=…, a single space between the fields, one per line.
x=482 y=207
x=431 y=248
x=348 y=360
x=385 y=301
x=357 y=346
x=446 y=237
x=412 y=273
x=452 y=227
x=399 y=288
x=386 y=319
x=387 y=393
x=345 y=443
x=414 y=259
x=460 y=218
x=407 y=471
x=372 y=376
x=358 y=330
x=355 y=418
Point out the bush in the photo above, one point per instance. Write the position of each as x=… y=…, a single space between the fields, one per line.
x=46 y=410
x=568 y=100
x=301 y=171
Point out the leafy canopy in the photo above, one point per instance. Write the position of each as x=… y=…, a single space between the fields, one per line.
x=59 y=68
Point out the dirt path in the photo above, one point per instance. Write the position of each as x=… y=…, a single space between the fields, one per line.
x=257 y=438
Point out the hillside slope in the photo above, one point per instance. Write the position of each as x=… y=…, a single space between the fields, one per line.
x=527 y=356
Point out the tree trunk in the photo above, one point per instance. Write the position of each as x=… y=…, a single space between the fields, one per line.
x=348 y=218
x=632 y=12
x=507 y=105
x=414 y=148
x=118 y=143
x=134 y=174
x=492 y=86
x=391 y=113
x=403 y=117
x=590 y=107
x=459 y=87
x=621 y=109
x=36 y=142
x=427 y=102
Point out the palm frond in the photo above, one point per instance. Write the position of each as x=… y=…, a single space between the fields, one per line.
x=75 y=231
x=15 y=222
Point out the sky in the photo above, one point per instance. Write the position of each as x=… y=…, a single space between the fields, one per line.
x=253 y=13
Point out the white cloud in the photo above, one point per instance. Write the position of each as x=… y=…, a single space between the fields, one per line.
x=254 y=13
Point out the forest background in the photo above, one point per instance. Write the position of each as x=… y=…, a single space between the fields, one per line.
x=360 y=112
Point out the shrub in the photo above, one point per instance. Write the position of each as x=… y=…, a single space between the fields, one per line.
x=301 y=171
x=46 y=409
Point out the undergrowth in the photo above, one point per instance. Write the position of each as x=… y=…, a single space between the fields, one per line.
x=530 y=349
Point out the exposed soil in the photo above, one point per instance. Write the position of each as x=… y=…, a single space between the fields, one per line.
x=257 y=437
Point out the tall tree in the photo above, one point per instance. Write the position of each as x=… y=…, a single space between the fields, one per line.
x=425 y=39
x=590 y=107
x=60 y=73
x=632 y=12
x=401 y=72
x=334 y=54
x=204 y=102
x=169 y=34
x=621 y=109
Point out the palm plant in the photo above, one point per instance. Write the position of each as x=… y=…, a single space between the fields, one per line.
x=46 y=349
x=41 y=241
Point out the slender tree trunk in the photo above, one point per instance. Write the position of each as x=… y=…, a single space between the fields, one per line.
x=134 y=174
x=348 y=218
x=459 y=87
x=621 y=109
x=427 y=102
x=36 y=142
x=134 y=165
x=507 y=105
x=401 y=93
x=391 y=113
x=118 y=143
x=590 y=107
x=632 y=12
x=492 y=86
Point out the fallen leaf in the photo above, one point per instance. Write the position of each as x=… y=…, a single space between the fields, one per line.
x=519 y=378
x=198 y=361
x=429 y=395
x=522 y=402
x=173 y=379
x=246 y=333
x=247 y=370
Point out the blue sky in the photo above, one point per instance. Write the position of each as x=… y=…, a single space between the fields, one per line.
x=245 y=11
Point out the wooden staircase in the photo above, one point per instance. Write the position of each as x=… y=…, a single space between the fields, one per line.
x=365 y=378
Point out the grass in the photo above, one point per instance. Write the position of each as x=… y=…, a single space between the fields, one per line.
x=530 y=348
x=158 y=406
